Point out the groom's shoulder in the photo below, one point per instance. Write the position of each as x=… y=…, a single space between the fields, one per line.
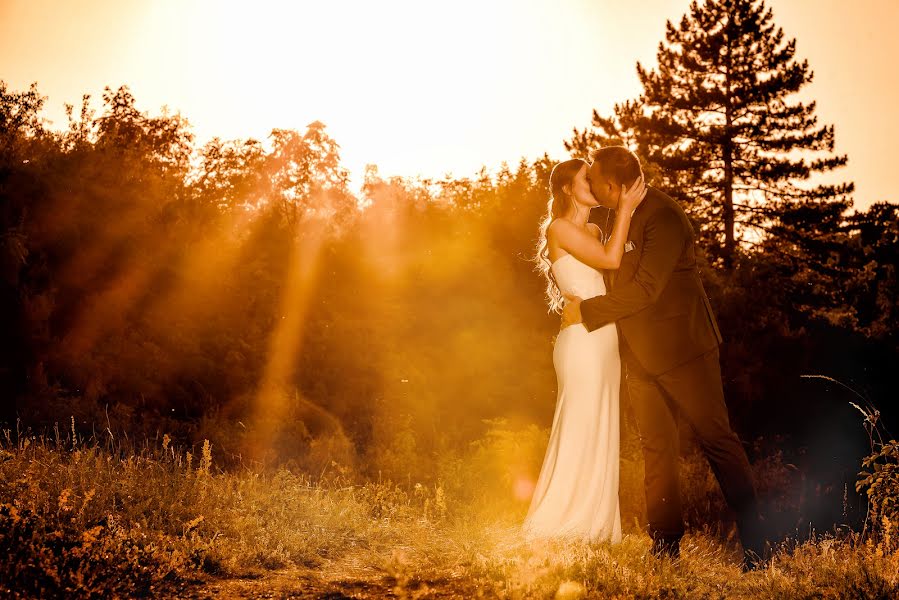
x=657 y=200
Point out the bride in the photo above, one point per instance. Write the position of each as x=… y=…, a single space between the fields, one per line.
x=576 y=495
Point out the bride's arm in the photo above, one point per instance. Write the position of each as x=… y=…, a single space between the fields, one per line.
x=587 y=248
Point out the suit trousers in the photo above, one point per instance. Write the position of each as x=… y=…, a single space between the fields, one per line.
x=693 y=390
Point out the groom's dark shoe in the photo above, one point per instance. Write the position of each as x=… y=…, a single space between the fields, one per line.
x=663 y=546
x=757 y=550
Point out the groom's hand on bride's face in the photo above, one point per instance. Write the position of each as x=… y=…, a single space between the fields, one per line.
x=571 y=312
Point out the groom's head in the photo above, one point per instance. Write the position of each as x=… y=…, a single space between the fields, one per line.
x=612 y=167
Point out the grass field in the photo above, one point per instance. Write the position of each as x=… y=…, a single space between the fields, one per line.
x=86 y=519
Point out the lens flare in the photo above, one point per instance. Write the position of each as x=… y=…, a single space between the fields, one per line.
x=523 y=488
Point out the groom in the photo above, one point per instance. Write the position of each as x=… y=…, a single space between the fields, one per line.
x=669 y=344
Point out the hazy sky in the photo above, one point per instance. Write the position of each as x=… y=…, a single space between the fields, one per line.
x=423 y=86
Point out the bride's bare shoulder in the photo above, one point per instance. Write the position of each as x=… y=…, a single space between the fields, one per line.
x=560 y=227
x=562 y=230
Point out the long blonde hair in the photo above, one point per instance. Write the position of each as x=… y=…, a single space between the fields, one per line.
x=558 y=204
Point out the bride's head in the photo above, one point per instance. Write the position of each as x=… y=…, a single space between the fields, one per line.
x=570 y=188
x=569 y=192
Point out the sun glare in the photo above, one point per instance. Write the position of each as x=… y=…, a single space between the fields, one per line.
x=411 y=86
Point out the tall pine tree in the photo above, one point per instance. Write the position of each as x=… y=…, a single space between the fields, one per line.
x=719 y=124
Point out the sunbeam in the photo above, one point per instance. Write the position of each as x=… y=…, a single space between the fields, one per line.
x=271 y=402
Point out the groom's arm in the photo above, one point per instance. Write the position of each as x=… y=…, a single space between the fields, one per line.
x=663 y=241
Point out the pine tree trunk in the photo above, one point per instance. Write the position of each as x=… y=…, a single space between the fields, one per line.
x=727 y=151
x=729 y=244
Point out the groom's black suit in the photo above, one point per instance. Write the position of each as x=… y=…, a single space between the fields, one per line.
x=669 y=343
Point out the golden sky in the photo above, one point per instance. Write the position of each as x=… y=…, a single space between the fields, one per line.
x=423 y=86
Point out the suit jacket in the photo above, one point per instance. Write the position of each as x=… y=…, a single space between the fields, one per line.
x=656 y=298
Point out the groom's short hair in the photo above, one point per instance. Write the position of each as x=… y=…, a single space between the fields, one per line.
x=618 y=164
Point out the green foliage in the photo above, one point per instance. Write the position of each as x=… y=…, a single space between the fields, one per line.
x=46 y=557
x=873 y=286
x=880 y=481
x=21 y=126
x=879 y=478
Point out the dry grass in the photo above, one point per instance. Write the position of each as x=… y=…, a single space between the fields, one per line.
x=85 y=519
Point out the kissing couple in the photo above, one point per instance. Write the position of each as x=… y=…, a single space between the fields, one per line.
x=635 y=299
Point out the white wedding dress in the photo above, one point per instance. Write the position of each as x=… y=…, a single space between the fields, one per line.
x=576 y=494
